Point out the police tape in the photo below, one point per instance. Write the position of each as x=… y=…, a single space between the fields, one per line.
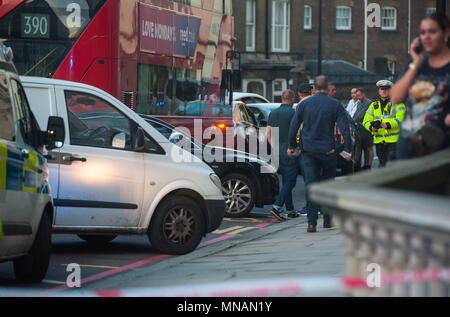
x=308 y=286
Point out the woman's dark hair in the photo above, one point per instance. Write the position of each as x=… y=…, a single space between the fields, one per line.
x=441 y=18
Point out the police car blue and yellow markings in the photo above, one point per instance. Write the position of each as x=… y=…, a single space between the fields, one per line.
x=18 y=173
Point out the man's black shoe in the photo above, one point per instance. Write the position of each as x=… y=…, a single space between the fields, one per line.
x=293 y=214
x=277 y=214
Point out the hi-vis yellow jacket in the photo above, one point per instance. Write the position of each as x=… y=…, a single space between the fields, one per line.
x=393 y=115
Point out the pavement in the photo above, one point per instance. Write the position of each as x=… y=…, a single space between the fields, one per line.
x=281 y=250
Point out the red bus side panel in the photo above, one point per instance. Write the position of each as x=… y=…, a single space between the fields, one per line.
x=93 y=59
x=7 y=6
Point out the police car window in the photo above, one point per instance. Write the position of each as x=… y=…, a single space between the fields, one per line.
x=95 y=122
x=6 y=113
x=23 y=112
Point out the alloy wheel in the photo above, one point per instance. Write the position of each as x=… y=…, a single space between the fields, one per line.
x=179 y=226
x=237 y=196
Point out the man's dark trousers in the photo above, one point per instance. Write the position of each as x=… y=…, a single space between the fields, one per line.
x=315 y=168
x=289 y=171
x=386 y=152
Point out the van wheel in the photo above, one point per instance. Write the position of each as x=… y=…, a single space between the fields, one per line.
x=239 y=193
x=32 y=267
x=177 y=226
x=97 y=239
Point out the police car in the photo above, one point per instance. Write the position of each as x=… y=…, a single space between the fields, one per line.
x=26 y=205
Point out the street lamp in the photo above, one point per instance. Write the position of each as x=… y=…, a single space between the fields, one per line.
x=319 y=49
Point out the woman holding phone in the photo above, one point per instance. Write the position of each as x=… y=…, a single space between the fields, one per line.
x=426 y=83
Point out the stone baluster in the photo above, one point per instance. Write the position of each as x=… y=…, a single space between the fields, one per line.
x=438 y=260
x=398 y=261
x=381 y=256
x=416 y=262
x=364 y=255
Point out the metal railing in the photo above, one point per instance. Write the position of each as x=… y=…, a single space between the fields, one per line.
x=396 y=218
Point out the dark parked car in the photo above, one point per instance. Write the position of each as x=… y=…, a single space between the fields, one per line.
x=247 y=181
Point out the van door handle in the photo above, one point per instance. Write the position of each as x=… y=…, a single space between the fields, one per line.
x=70 y=158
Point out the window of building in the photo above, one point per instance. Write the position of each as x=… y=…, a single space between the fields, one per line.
x=280 y=25
x=343 y=18
x=250 y=25
x=307 y=18
x=430 y=10
x=389 y=18
x=255 y=86
x=391 y=67
x=278 y=86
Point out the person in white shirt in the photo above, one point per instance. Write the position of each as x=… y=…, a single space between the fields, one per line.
x=353 y=103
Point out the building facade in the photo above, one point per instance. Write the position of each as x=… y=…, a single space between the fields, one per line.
x=269 y=38
x=344 y=37
x=278 y=40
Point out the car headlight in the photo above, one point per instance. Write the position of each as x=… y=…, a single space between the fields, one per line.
x=216 y=180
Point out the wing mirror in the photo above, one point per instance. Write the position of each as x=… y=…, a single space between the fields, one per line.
x=139 y=140
x=176 y=137
x=56 y=133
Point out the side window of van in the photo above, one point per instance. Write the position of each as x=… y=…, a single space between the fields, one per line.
x=95 y=122
x=23 y=112
x=6 y=115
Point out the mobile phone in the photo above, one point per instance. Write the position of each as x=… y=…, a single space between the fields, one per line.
x=419 y=48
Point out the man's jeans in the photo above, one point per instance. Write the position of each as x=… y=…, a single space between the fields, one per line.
x=315 y=168
x=289 y=173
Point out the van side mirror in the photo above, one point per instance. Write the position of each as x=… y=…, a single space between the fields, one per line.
x=56 y=133
x=139 y=140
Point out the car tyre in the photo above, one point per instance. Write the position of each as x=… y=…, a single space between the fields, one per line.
x=177 y=226
x=97 y=239
x=33 y=267
x=239 y=193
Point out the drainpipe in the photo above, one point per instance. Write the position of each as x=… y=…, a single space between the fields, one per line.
x=409 y=25
x=366 y=35
x=267 y=29
x=319 y=49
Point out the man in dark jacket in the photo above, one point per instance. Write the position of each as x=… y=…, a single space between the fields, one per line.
x=319 y=114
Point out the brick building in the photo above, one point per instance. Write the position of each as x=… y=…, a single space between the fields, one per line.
x=343 y=32
x=267 y=70
x=271 y=45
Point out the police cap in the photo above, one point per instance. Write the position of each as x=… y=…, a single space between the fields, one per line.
x=384 y=84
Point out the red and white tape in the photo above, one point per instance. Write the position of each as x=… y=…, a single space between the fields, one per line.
x=260 y=288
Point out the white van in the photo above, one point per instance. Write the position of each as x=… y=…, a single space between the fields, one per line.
x=115 y=173
x=26 y=205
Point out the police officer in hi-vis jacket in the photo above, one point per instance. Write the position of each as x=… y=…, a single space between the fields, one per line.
x=383 y=120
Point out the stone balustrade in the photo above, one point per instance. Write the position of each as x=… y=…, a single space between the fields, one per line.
x=395 y=219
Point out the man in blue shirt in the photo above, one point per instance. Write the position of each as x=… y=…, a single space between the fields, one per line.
x=280 y=119
x=319 y=115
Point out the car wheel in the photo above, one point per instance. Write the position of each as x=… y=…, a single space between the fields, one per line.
x=239 y=193
x=32 y=267
x=97 y=239
x=177 y=226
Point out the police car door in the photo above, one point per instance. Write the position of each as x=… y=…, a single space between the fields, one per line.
x=22 y=170
x=101 y=179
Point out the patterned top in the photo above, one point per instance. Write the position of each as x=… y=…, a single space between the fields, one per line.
x=429 y=99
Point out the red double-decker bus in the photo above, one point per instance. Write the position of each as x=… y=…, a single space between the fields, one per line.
x=163 y=58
